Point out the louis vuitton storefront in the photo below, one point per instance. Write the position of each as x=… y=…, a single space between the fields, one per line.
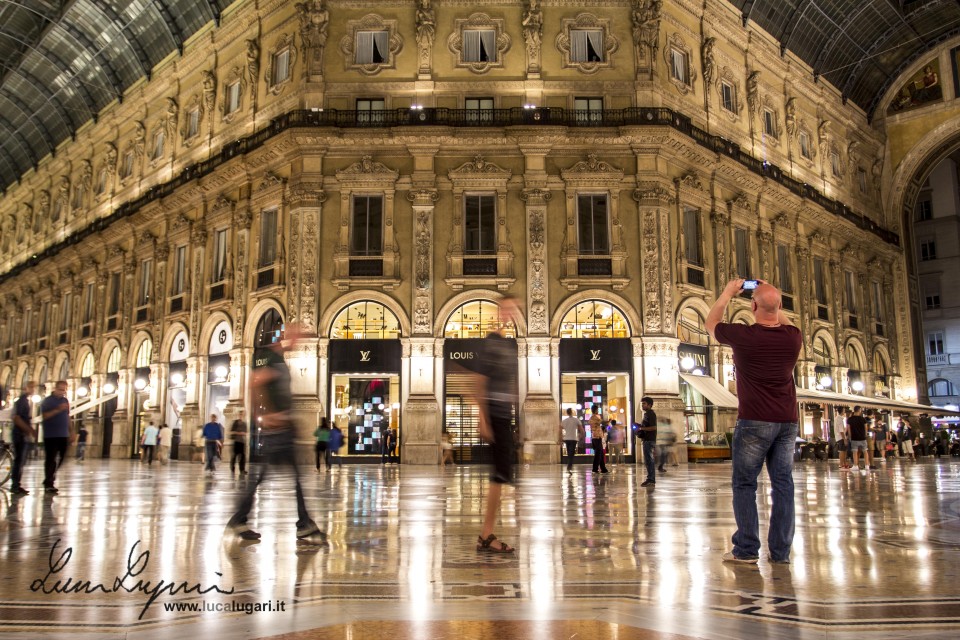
x=596 y=367
x=364 y=365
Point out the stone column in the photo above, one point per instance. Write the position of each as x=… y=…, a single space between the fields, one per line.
x=656 y=357
x=540 y=411
x=122 y=417
x=191 y=417
x=420 y=442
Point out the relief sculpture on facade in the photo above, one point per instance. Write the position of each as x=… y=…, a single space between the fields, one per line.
x=651 y=273
x=532 y=24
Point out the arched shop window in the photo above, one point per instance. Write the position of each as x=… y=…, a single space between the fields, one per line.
x=269 y=329
x=144 y=354
x=366 y=320
x=880 y=382
x=64 y=372
x=476 y=319
x=823 y=364
x=691 y=329
x=113 y=361
x=86 y=367
x=594 y=319
x=854 y=369
x=853 y=358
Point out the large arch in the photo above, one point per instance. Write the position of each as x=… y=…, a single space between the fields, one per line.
x=827 y=340
x=571 y=301
x=108 y=346
x=62 y=357
x=172 y=332
x=880 y=351
x=333 y=309
x=202 y=347
x=253 y=319
x=469 y=296
x=38 y=368
x=138 y=339
x=857 y=346
x=81 y=357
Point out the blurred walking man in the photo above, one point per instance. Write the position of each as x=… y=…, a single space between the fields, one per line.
x=764 y=355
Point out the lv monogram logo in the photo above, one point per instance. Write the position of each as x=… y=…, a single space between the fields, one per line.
x=594 y=354
x=364 y=356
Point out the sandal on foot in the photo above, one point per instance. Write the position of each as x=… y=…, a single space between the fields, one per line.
x=487 y=545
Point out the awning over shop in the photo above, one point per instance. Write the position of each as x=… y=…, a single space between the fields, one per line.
x=711 y=390
x=829 y=397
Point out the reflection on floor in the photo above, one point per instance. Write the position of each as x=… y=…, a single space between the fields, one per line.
x=597 y=556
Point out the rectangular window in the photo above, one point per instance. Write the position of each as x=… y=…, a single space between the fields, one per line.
x=88 y=304
x=179 y=270
x=924 y=210
x=479 y=45
x=932 y=300
x=935 y=343
x=728 y=96
x=479 y=110
x=146 y=282
x=592 y=229
x=741 y=243
x=370 y=110
x=25 y=327
x=126 y=169
x=219 y=255
x=850 y=282
x=783 y=263
x=66 y=311
x=586 y=45
x=691 y=230
x=280 y=67
x=44 y=319
x=367 y=232
x=679 y=66
x=878 y=313
x=862 y=180
x=113 y=308
x=588 y=109
x=158 y=140
x=479 y=222
x=372 y=47
x=193 y=122
x=769 y=123
x=268 y=238
x=819 y=281
x=835 y=164
x=928 y=250
x=78 y=197
x=233 y=97
x=805 y=145
x=102 y=181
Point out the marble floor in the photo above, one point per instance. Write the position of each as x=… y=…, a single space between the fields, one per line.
x=127 y=550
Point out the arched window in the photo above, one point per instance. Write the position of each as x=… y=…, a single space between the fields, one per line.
x=853 y=358
x=879 y=366
x=821 y=353
x=144 y=354
x=269 y=329
x=113 y=361
x=691 y=329
x=366 y=320
x=64 y=370
x=941 y=387
x=594 y=319
x=476 y=319
x=86 y=367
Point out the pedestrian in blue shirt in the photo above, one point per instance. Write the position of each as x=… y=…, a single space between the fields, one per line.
x=23 y=432
x=213 y=434
x=55 y=410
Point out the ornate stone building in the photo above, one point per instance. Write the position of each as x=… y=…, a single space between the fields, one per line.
x=380 y=173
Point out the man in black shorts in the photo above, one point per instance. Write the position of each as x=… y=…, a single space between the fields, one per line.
x=496 y=397
x=270 y=381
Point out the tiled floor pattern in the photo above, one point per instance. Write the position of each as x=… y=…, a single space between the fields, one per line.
x=598 y=556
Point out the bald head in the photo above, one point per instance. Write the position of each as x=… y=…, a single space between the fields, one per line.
x=767 y=298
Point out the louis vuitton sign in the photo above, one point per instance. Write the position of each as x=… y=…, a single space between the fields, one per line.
x=364 y=356
x=596 y=354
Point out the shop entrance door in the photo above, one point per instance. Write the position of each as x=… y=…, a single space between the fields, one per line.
x=462 y=419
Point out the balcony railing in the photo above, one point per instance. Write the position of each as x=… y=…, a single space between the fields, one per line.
x=435 y=117
x=938 y=359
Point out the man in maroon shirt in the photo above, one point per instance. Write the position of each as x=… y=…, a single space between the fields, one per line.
x=764 y=356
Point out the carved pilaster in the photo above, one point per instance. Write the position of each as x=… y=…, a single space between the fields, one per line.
x=537 y=302
x=426 y=32
x=423 y=205
x=314 y=19
x=657 y=288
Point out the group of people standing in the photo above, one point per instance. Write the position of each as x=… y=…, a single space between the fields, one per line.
x=57 y=434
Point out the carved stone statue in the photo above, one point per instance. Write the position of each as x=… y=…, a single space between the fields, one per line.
x=823 y=133
x=111 y=157
x=646 y=20
x=209 y=90
x=139 y=138
x=753 y=91
x=709 y=63
x=314 y=20
x=426 y=24
x=532 y=27
x=790 y=112
x=253 y=69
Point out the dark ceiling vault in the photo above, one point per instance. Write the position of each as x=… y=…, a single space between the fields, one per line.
x=859 y=46
x=63 y=61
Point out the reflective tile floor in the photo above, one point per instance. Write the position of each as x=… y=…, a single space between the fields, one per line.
x=126 y=550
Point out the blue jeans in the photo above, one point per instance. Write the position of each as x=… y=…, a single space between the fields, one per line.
x=648 y=459
x=210 y=452
x=756 y=441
